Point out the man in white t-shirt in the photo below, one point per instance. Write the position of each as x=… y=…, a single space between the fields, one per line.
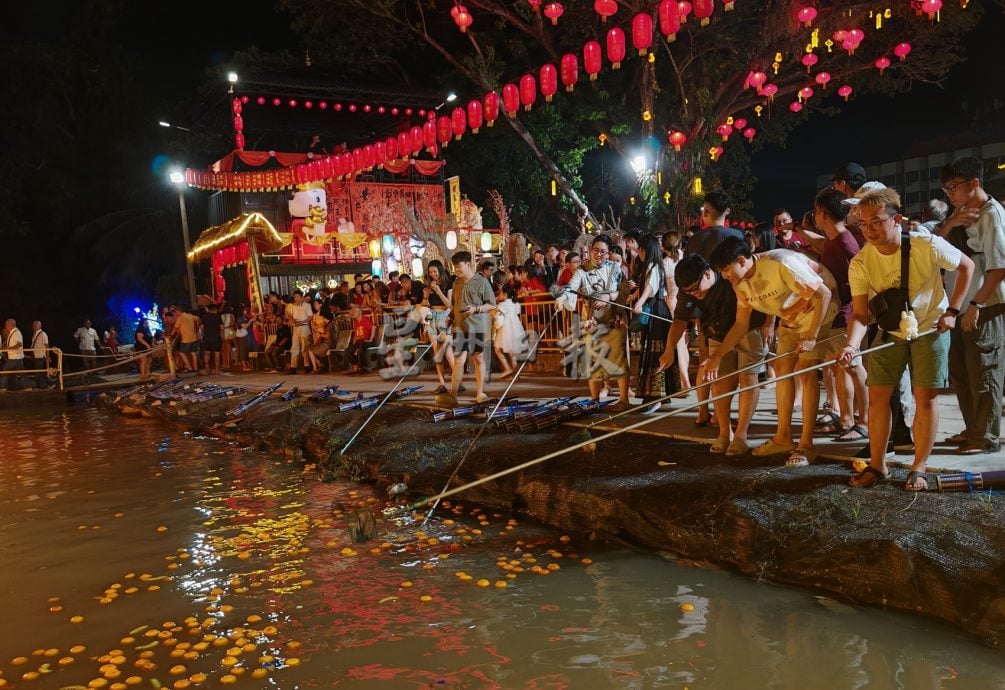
x=877 y=267
x=298 y=315
x=13 y=347
x=803 y=294
x=87 y=343
x=39 y=345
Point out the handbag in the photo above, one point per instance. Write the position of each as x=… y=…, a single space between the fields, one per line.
x=640 y=321
x=888 y=305
x=654 y=305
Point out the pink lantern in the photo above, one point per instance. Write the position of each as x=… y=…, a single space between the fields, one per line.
x=806 y=15
x=642 y=32
x=491 y=103
x=856 y=36
x=592 y=59
x=458 y=122
x=822 y=78
x=293 y=102
x=882 y=63
x=739 y=123
x=756 y=79
x=475 y=115
x=724 y=131
x=795 y=106
x=352 y=107
x=569 y=68
x=769 y=91
x=849 y=45
x=749 y=133
x=683 y=10
x=260 y=100
x=308 y=104
x=902 y=50
x=677 y=139
x=416 y=139
x=276 y=101
x=548 y=78
x=605 y=8
x=806 y=93
x=930 y=7
x=809 y=60
x=845 y=91
x=669 y=19
x=615 y=47
x=553 y=10
x=715 y=152
x=462 y=18
x=528 y=90
x=323 y=105
x=703 y=10
x=511 y=99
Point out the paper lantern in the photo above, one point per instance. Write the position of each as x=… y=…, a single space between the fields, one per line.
x=475 y=115
x=369 y=157
x=806 y=15
x=376 y=268
x=856 y=36
x=615 y=47
x=486 y=242
x=822 y=78
x=739 y=123
x=683 y=10
x=491 y=109
x=703 y=11
x=845 y=91
x=528 y=90
x=458 y=122
x=239 y=141
x=308 y=104
x=451 y=240
x=642 y=32
x=669 y=19
x=429 y=134
x=511 y=99
x=931 y=7
x=276 y=101
x=605 y=8
x=902 y=50
x=805 y=93
x=328 y=167
x=260 y=100
x=882 y=63
x=795 y=106
x=749 y=133
x=769 y=91
x=462 y=18
x=417 y=270
x=415 y=139
x=323 y=105
x=677 y=139
x=724 y=131
x=756 y=79
x=235 y=106
x=592 y=59
x=374 y=247
x=809 y=60
x=402 y=143
x=379 y=153
x=444 y=128
x=569 y=68
x=549 y=81
x=715 y=152
x=553 y=10
x=388 y=244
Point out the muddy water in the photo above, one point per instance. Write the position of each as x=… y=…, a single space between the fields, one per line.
x=136 y=556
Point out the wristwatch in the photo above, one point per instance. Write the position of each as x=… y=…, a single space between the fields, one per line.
x=973 y=303
x=953 y=311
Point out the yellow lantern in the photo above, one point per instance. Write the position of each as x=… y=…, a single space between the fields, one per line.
x=451 y=240
x=374 y=249
x=486 y=242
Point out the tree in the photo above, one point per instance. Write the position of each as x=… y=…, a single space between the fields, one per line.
x=692 y=85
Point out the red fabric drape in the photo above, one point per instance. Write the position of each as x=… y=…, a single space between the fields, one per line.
x=257 y=159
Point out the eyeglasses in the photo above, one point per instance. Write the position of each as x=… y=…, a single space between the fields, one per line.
x=952 y=187
x=600 y=252
x=696 y=287
x=876 y=223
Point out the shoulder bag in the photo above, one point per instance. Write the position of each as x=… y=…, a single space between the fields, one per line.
x=887 y=306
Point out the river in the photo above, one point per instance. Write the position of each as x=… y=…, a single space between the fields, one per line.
x=138 y=556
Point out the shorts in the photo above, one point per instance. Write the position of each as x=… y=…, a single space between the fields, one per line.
x=189 y=347
x=473 y=342
x=212 y=345
x=605 y=350
x=927 y=358
x=787 y=339
x=436 y=322
x=749 y=351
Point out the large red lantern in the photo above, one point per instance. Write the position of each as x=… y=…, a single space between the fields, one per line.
x=416 y=138
x=642 y=32
x=902 y=50
x=809 y=60
x=328 y=167
x=756 y=79
x=615 y=47
x=462 y=18
x=404 y=144
x=703 y=10
x=458 y=122
x=511 y=99
x=749 y=133
x=528 y=91
x=669 y=19
x=549 y=81
x=369 y=157
x=931 y=7
x=605 y=8
x=805 y=93
x=677 y=139
x=739 y=123
x=491 y=103
x=553 y=10
x=475 y=115
x=444 y=128
x=822 y=78
x=795 y=106
x=882 y=63
x=379 y=154
x=429 y=134
x=592 y=59
x=806 y=15
x=569 y=71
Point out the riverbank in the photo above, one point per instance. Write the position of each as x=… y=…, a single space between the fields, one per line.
x=938 y=555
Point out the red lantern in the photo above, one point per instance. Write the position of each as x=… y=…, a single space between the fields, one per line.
x=795 y=106
x=239 y=141
x=569 y=71
x=417 y=138
x=902 y=50
x=535 y=4
x=882 y=63
x=809 y=60
x=323 y=105
x=822 y=78
x=553 y=10
x=458 y=122
x=510 y=99
x=379 y=154
x=749 y=133
x=669 y=19
x=475 y=115
x=715 y=152
x=293 y=102
x=683 y=10
x=806 y=15
x=429 y=134
x=677 y=139
x=352 y=107
x=276 y=101
x=235 y=106
x=703 y=10
x=308 y=104
x=642 y=32
x=405 y=143
x=238 y=123
x=769 y=91
x=528 y=90
x=756 y=79
x=592 y=59
x=462 y=18
x=444 y=128
x=369 y=157
x=845 y=91
x=260 y=100
x=605 y=8
x=931 y=7
x=724 y=131
x=615 y=47
x=739 y=123
x=805 y=93
x=491 y=103
x=548 y=79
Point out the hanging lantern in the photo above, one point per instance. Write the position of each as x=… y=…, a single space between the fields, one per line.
x=491 y=103
x=475 y=115
x=703 y=11
x=444 y=128
x=592 y=59
x=615 y=47
x=375 y=268
x=882 y=63
x=677 y=139
x=462 y=18
x=642 y=32
x=569 y=69
x=739 y=123
x=715 y=152
x=749 y=133
x=806 y=15
x=822 y=78
x=235 y=106
x=486 y=242
x=683 y=10
x=724 y=131
x=605 y=8
x=374 y=247
x=417 y=271
x=856 y=36
x=239 y=141
x=328 y=167
x=902 y=50
x=669 y=19
x=369 y=157
x=549 y=81
x=553 y=10
x=809 y=60
x=451 y=240
x=528 y=91
x=511 y=99
x=845 y=91
x=308 y=104
x=458 y=122
x=930 y=7
x=415 y=139
x=795 y=106
x=388 y=244
x=260 y=100
x=769 y=91
x=805 y=93
x=429 y=134
x=323 y=105
x=404 y=145
x=277 y=101
x=756 y=79
x=379 y=153
x=357 y=160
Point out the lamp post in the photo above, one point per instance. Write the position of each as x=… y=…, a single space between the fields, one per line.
x=179 y=181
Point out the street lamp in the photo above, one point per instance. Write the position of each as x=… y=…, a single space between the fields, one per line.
x=178 y=180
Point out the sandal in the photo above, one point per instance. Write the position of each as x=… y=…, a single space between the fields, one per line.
x=719 y=446
x=828 y=418
x=870 y=476
x=737 y=447
x=801 y=457
x=769 y=447
x=440 y=390
x=957 y=439
x=856 y=433
x=916 y=481
x=829 y=429
x=703 y=422
x=979 y=449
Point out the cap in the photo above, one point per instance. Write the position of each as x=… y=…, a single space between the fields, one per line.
x=852 y=173
x=863 y=190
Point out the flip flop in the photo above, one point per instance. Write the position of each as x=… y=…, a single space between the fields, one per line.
x=870 y=476
x=957 y=439
x=856 y=433
x=719 y=446
x=828 y=418
x=916 y=481
x=801 y=457
x=829 y=429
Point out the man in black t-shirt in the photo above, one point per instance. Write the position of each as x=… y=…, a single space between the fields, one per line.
x=212 y=337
